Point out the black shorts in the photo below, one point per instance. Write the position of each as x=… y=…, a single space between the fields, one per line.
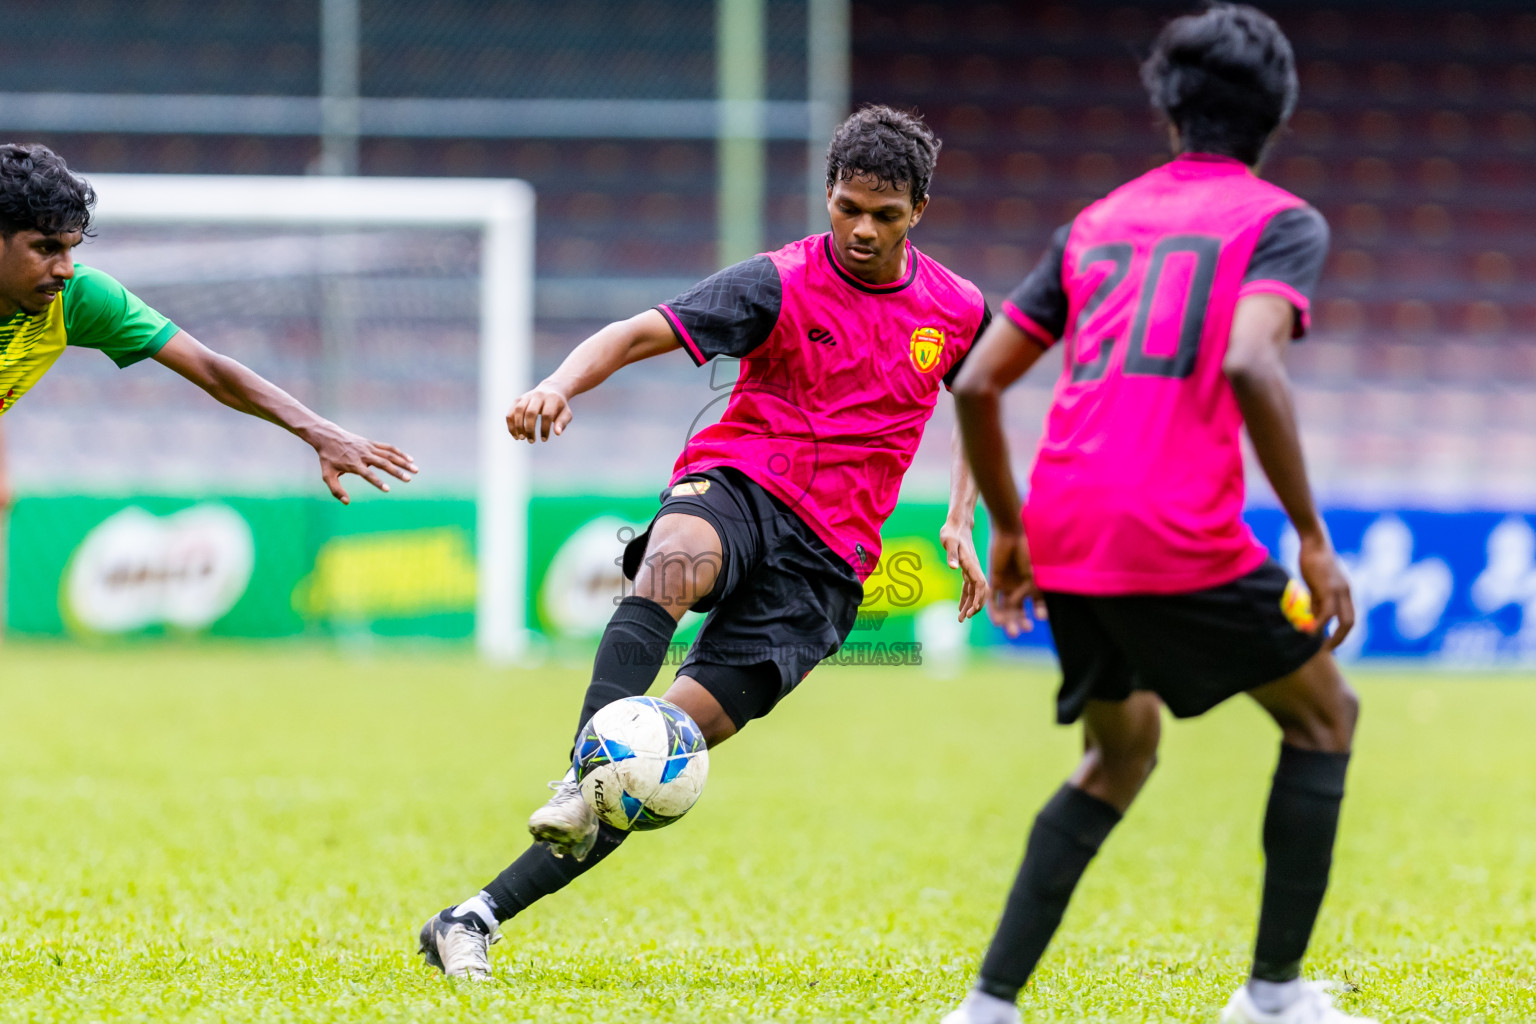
x=1193 y=650
x=783 y=600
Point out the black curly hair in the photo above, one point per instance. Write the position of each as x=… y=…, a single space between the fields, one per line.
x=1225 y=78
x=895 y=147
x=38 y=192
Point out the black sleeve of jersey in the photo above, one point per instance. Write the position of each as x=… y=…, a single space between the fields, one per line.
x=1041 y=297
x=1291 y=250
x=729 y=313
x=954 y=371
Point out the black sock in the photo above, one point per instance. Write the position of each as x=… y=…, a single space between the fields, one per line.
x=1299 y=828
x=538 y=872
x=1067 y=833
x=632 y=651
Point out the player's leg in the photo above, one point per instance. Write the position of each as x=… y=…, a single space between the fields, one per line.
x=463 y=934
x=541 y=871
x=1316 y=711
x=801 y=620
x=681 y=565
x=1120 y=749
x=1198 y=649
x=1121 y=728
x=805 y=609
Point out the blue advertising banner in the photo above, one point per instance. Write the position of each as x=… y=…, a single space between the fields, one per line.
x=1455 y=587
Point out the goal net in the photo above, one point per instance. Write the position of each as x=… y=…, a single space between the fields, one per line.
x=402 y=309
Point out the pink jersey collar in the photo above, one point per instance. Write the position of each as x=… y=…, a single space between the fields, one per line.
x=865 y=286
x=1210 y=163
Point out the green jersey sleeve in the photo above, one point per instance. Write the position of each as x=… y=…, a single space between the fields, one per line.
x=99 y=313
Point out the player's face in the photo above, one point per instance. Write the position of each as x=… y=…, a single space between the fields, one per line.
x=869 y=225
x=33 y=269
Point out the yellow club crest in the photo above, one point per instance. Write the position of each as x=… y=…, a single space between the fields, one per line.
x=927 y=346
x=1296 y=604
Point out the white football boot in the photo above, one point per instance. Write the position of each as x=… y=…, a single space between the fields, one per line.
x=458 y=945
x=1313 y=1006
x=980 y=1008
x=567 y=822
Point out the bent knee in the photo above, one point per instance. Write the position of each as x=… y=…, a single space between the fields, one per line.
x=1327 y=725
x=1351 y=708
x=1123 y=766
x=682 y=561
x=1128 y=767
x=1344 y=717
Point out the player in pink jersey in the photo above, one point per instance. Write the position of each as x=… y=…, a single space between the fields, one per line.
x=1174 y=298
x=771 y=521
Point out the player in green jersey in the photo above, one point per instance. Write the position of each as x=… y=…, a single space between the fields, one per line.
x=48 y=301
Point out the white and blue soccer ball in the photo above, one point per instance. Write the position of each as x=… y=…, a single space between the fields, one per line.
x=641 y=763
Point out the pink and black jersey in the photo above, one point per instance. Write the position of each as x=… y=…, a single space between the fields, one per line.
x=1138 y=484
x=837 y=379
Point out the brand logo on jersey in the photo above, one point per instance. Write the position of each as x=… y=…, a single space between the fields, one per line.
x=1296 y=605
x=821 y=336
x=690 y=488
x=927 y=347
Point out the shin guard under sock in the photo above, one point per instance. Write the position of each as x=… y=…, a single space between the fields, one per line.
x=1299 y=828
x=538 y=872
x=1067 y=833
x=632 y=651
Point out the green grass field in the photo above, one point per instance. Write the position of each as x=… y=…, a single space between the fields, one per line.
x=231 y=834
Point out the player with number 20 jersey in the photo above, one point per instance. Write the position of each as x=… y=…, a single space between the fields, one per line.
x=1174 y=298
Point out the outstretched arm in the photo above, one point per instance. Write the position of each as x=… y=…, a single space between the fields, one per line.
x=959 y=526
x=1261 y=332
x=1001 y=357
x=239 y=387
x=588 y=365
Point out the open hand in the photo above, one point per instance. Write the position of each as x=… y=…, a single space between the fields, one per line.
x=960 y=550
x=1014 y=593
x=538 y=414
x=342 y=451
x=1324 y=576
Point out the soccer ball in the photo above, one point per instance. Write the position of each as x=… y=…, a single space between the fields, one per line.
x=641 y=763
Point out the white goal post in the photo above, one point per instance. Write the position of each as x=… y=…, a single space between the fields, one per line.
x=503 y=212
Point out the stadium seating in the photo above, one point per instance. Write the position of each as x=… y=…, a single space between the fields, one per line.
x=1416 y=137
